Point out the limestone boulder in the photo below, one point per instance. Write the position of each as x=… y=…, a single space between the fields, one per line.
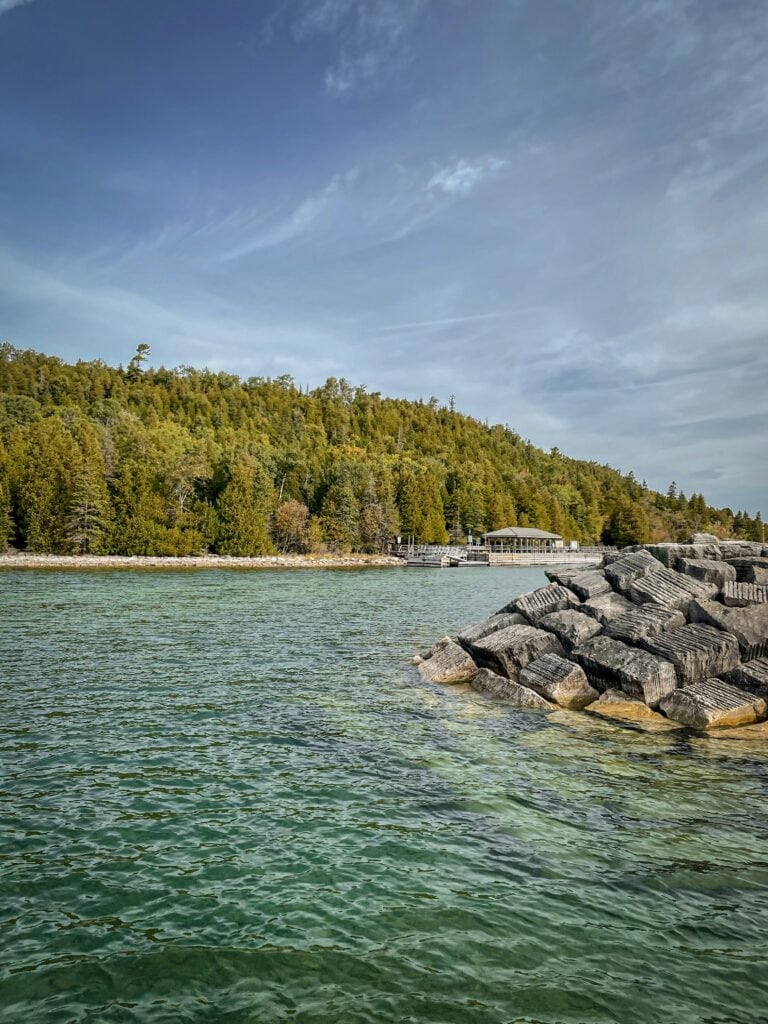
x=486 y=681
x=538 y=603
x=670 y=589
x=619 y=705
x=670 y=554
x=509 y=650
x=563 y=574
x=610 y=664
x=447 y=662
x=645 y=621
x=742 y=595
x=571 y=627
x=710 y=570
x=752 y=677
x=607 y=607
x=622 y=573
x=703 y=538
x=757 y=575
x=560 y=681
x=745 y=566
x=478 y=630
x=712 y=703
x=740 y=548
x=748 y=625
x=589 y=584
x=697 y=651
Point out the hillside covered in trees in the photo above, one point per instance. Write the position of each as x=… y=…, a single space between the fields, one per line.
x=169 y=462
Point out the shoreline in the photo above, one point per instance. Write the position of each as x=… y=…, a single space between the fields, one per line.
x=23 y=560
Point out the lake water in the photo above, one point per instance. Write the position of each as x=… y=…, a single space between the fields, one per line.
x=226 y=797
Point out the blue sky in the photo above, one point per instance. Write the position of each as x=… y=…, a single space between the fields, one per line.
x=555 y=211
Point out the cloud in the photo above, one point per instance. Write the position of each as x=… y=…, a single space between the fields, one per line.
x=299 y=222
x=370 y=34
x=8 y=5
x=462 y=176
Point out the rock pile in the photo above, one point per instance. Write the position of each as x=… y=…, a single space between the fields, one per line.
x=676 y=633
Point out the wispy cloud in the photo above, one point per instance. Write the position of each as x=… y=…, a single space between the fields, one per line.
x=8 y=5
x=371 y=45
x=460 y=177
x=444 y=322
x=299 y=222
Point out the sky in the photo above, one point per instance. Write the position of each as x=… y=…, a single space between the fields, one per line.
x=556 y=212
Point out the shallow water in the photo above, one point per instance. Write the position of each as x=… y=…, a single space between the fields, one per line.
x=227 y=797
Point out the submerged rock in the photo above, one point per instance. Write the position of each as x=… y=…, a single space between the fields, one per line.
x=606 y=608
x=711 y=703
x=447 y=662
x=499 y=686
x=571 y=627
x=671 y=589
x=741 y=595
x=611 y=664
x=646 y=621
x=697 y=651
x=538 y=603
x=748 y=625
x=751 y=677
x=619 y=705
x=478 y=630
x=560 y=681
x=509 y=650
x=624 y=571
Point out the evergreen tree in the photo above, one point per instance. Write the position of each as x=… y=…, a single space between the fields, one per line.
x=244 y=508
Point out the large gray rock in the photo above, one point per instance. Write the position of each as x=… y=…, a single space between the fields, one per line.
x=447 y=662
x=696 y=651
x=745 y=566
x=712 y=703
x=609 y=663
x=571 y=627
x=703 y=538
x=710 y=570
x=563 y=574
x=646 y=621
x=560 y=681
x=752 y=677
x=607 y=607
x=589 y=584
x=510 y=650
x=499 y=686
x=741 y=595
x=737 y=548
x=478 y=630
x=671 y=589
x=622 y=573
x=748 y=625
x=538 y=603
x=670 y=554
x=756 y=574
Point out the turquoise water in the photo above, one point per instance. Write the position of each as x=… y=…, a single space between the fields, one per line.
x=226 y=797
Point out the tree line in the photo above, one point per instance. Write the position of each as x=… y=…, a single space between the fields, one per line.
x=134 y=460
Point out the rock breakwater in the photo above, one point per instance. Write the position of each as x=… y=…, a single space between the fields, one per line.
x=668 y=633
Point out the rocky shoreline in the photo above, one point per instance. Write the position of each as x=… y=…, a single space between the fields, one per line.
x=668 y=635
x=30 y=561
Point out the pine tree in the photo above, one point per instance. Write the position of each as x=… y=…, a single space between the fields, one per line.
x=244 y=508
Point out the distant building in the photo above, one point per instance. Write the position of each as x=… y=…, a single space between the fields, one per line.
x=521 y=539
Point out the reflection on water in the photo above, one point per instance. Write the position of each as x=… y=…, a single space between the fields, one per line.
x=227 y=797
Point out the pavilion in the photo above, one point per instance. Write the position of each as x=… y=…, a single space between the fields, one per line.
x=521 y=540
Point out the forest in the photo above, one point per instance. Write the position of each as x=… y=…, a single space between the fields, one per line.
x=137 y=460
